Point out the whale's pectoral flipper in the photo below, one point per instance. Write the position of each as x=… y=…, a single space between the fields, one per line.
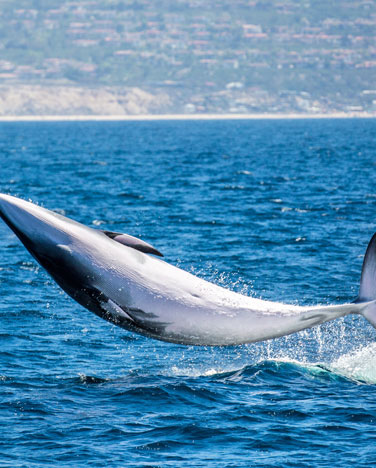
x=367 y=290
x=129 y=318
x=133 y=242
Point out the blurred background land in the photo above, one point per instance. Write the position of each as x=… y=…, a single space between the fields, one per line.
x=112 y=57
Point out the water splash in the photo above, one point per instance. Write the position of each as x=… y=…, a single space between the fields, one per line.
x=358 y=365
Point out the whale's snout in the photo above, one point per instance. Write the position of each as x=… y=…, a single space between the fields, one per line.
x=42 y=232
x=52 y=240
x=10 y=210
x=36 y=227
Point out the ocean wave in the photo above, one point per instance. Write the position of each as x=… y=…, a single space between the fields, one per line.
x=359 y=366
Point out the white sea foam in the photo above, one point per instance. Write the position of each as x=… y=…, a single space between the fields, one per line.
x=358 y=365
x=196 y=371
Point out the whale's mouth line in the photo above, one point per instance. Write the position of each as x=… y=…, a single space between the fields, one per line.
x=26 y=241
x=7 y=221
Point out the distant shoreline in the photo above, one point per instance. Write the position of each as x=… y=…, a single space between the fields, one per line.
x=155 y=117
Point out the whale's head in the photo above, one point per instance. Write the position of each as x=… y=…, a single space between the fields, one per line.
x=79 y=258
x=88 y=264
x=40 y=230
x=54 y=241
x=47 y=235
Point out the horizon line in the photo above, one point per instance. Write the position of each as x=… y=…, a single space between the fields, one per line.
x=156 y=117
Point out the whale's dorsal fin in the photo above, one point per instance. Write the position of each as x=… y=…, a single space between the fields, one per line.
x=133 y=242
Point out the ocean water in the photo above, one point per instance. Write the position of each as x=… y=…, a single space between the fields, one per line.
x=281 y=210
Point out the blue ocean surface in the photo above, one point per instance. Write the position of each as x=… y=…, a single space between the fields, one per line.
x=277 y=209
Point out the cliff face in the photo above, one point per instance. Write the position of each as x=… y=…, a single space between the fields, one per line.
x=68 y=100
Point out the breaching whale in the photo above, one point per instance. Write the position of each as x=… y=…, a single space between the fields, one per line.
x=115 y=276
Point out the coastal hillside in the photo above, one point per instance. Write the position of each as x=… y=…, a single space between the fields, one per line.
x=74 y=100
x=187 y=56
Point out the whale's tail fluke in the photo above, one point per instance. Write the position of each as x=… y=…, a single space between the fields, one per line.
x=367 y=290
